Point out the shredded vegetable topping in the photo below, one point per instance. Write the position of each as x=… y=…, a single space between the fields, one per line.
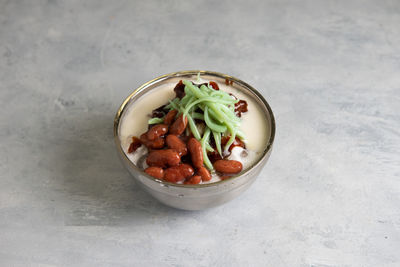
x=215 y=108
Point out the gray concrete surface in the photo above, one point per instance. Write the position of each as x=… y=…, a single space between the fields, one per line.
x=330 y=195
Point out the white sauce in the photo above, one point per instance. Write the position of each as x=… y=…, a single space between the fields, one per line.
x=253 y=124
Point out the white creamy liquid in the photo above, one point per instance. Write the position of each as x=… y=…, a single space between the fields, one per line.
x=253 y=123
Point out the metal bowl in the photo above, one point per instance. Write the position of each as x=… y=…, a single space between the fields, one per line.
x=201 y=196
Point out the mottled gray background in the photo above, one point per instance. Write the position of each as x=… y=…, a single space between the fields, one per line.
x=330 y=195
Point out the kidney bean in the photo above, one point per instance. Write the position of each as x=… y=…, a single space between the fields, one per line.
x=173 y=175
x=156 y=131
x=156 y=172
x=186 y=170
x=174 y=142
x=228 y=166
x=155 y=144
x=163 y=158
x=179 y=125
x=134 y=145
x=193 y=180
x=196 y=152
x=178 y=173
x=169 y=118
x=204 y=174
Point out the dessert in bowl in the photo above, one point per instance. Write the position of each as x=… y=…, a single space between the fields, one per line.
x=194 y=139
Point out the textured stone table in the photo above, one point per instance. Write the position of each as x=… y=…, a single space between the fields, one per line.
x=329 y=196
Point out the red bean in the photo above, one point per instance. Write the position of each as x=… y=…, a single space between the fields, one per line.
x=156 y=131
x=196 y=152
x=193 y=180
x=179 y=125
x=178 y=173
x=169 y=118
x=155 y=144
x=156 y=172
x=174 y=142
x=163 y=158
x=228 y=166
x=204 y=174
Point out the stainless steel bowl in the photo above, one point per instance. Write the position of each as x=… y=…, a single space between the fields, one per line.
x=202 y=196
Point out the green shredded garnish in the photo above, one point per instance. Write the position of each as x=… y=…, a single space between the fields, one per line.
x=218 y=114
x=203 y=142
x=217 y=139
x=156 y=120
x=215 y=108
x=193 y=127
x=212 y=124
x=198 y=116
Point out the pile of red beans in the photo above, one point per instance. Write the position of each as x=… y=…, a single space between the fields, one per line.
x=178 y=158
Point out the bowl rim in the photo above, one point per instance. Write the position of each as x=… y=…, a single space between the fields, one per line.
x=125 y=103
